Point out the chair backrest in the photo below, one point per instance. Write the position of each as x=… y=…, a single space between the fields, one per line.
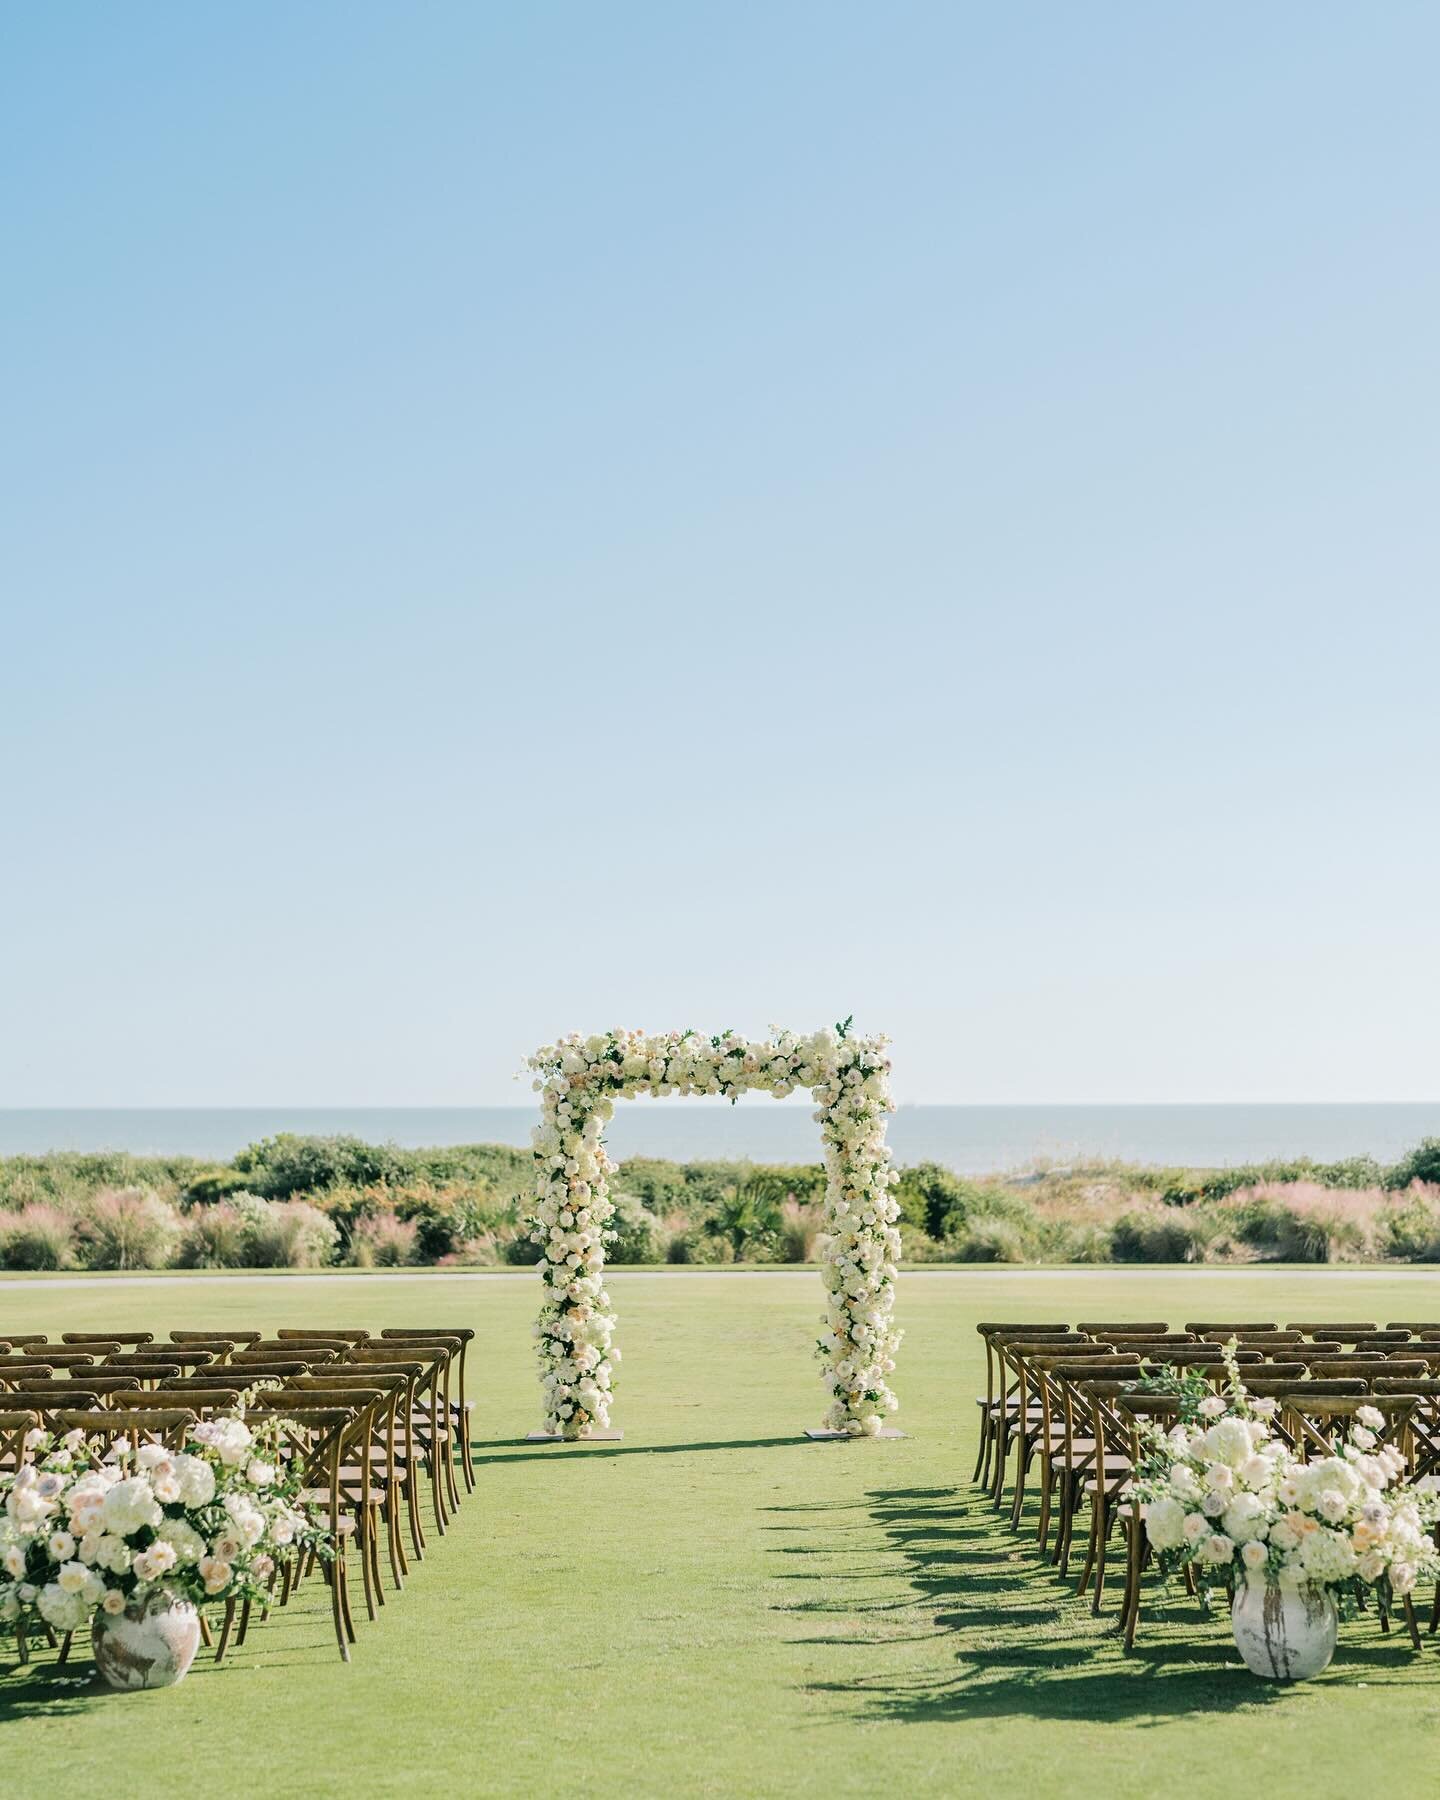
x=201 y=1400
x=1205 y=1327
x=1260 y=1338
x=1418 y=1327
x=1345 y=1331
x=224 y=1379
x=186 y=1357
x=352 y=1334
x=1302 y=1353
x=249 y=1357
x=17 y=1373
x=165 y=1425
x=62 y=1359
x=86 y=1381
x=1380 y=1340
x=316 y=1441
x=1320 y=1421
x=267 y=1368
x=1122 y=1338
x=13 y=1340
x=1130 y=1327
x=51 y=1401
x=81 y=1338
x=217 y=1336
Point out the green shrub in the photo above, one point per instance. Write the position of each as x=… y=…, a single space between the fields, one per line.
x=798 y=1230
x=1421 y=1164
x=216 y=1236
x=1412 y=1228
x=37 y=1237
x=521 y=1251
x=281 y=1166
x=289 y=1234
x=1086 y=1243
x=988 y=1240
x=211 y=1185
x=637 y=1232
x=129 y=1228
x=384 y=1242
x=1162 y=1235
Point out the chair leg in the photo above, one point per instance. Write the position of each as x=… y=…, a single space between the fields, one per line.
x=1102 y=1545
x=1021 y=1471
x=1047 y=1483
x=64 y=1656
x=1411 y=1621
x=467 y=1463
x=1089 y=1554
x=225 y=1631
x=333 y=1571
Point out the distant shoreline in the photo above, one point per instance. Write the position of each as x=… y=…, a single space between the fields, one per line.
x=969 y=1139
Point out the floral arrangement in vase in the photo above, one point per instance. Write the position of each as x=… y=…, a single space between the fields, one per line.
x=1224 y=1497
x=95 y=1534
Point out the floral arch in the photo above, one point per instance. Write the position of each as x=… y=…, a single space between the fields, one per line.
x=579 y=1080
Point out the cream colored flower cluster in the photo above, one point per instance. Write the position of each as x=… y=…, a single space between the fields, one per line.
x=1227 y=1497
x=86 y=1528
x=579 y=1080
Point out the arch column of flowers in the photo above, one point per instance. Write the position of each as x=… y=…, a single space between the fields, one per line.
x=579 y=1080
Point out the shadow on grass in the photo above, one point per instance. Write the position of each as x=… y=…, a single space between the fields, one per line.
x=509 y=1450
x=1012 y=1639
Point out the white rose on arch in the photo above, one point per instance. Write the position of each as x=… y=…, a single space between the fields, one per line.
x=579 y=1081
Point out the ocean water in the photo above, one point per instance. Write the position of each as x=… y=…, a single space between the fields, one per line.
x=971 y=1139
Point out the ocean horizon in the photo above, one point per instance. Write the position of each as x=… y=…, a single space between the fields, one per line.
x=969 y=1139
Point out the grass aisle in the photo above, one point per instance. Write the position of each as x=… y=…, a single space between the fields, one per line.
x=718 y=1607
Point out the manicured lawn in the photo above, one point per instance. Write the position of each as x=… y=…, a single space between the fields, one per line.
x=717 y=1606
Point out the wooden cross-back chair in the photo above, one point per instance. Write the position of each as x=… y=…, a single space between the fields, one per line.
x=1017 y=1409
x=433 y=1418
x=1040 y=1420
x=316 y=1441
x=1108 y=1485
x=986 y=1402
x=15 y=1426
x=366 y=1468
x=1071 y=1458
x=1422 y=1439
x=1136 y=1411
x=460 y=1403
x=1005 y=1410
x=400 y=1451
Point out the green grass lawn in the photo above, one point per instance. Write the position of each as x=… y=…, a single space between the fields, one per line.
x=717 y=1606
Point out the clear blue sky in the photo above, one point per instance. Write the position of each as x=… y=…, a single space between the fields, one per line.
x=526 y=517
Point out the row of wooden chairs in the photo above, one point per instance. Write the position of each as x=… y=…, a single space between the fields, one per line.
x=368 y=1418
x=1065 y=1401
